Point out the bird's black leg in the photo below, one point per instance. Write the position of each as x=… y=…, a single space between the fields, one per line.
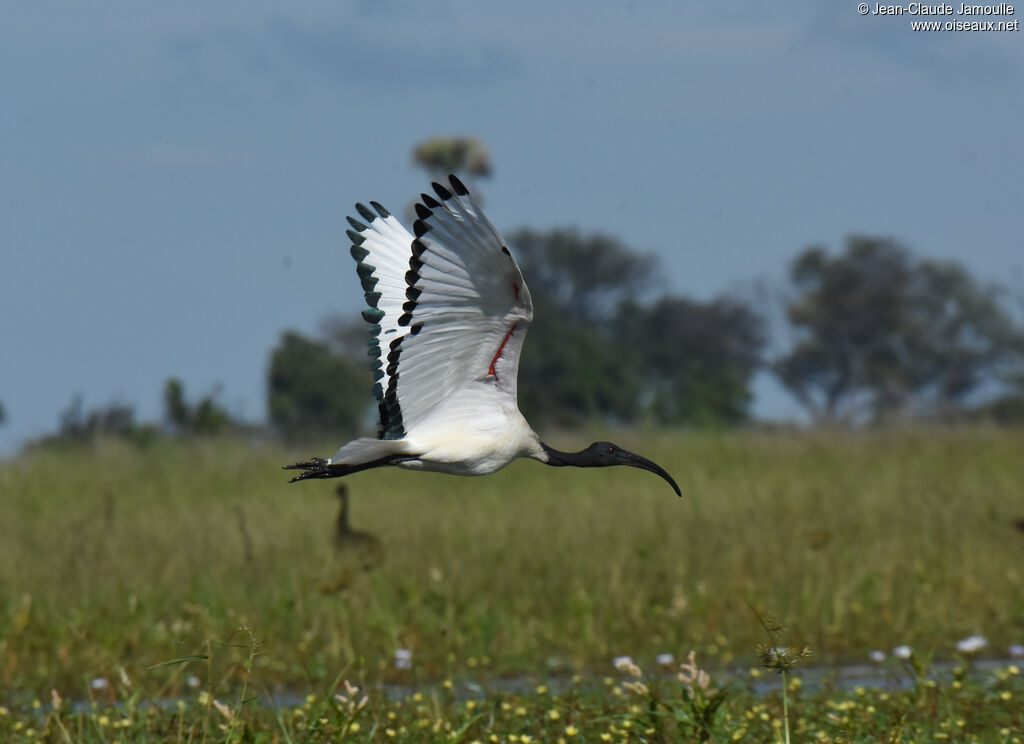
x=318 y=467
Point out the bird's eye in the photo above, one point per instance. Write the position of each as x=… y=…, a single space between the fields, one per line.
x=610 y=450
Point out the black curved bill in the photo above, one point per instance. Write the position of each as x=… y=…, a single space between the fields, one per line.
x=636 y=461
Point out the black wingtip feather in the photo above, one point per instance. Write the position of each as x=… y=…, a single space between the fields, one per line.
x=380 y=210
x=419 y=227
x=430 y=201
x=355 y=237
x=422 y=212
x=457 y=185
x=356 y=224
x=365 y=212
x=442 y=192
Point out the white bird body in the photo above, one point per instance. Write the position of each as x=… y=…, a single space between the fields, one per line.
x=450 y=311
x=483 y=446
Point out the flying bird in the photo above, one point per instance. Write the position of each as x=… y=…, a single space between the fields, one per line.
x=449 y=311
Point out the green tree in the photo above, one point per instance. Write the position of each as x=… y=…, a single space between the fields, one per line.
x=571 y=374
x=77 y=425
x=696 y=359
x=879 y=333
x=205 y=417
x=313 y=390
x=3 y=414
x=571 y=370
x=584 y=277
x=442 y=155
x=596 y=352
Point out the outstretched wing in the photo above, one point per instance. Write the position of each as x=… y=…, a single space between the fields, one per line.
x=449 y=305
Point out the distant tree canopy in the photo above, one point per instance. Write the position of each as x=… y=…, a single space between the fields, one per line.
x=3 y=414
x=879 y=333
x=441 y=155
x=597 y=352
x=313 y=390
x=695 y=359
x=583 y=277
x=204 y=417
x=76 y=425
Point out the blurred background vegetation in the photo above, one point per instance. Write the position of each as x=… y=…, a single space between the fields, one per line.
x=872 y=333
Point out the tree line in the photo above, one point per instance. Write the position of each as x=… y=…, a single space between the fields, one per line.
x=873 y=333
x=870 y=333
x=876 y=332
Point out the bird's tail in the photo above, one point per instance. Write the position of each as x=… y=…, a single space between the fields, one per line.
x=366 y=450
x=359 y=454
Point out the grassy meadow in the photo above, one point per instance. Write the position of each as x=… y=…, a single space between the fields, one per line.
x=127 y=564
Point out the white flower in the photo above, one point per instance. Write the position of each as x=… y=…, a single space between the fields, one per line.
x=626 y=664
x=403 y=658
x=971 y=644
x=877 y=656
x=903 y=652
x=1016 y=651
x=666 y=659
x=100 y=683
x=193 y=681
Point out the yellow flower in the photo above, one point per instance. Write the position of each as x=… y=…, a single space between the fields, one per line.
x=553 y=714
x=1005 y=695
x=390 y=733
x=571 y=730
x=542 y=689
x=354 y=727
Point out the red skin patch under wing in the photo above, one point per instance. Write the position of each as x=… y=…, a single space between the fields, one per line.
x=497 y=355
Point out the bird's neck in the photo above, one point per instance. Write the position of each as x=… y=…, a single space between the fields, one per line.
x=559 y=458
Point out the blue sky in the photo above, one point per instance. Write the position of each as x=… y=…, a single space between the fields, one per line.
x=174 y=177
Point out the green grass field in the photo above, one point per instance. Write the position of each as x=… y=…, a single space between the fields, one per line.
x=115 y=560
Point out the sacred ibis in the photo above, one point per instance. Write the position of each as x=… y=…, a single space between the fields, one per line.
x=449 y=311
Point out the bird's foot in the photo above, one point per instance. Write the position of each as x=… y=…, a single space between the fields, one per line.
x=318 y=467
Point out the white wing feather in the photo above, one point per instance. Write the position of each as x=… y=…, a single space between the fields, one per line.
x=451 y=311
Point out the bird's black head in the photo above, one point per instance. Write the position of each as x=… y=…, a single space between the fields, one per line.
x=604 y=454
